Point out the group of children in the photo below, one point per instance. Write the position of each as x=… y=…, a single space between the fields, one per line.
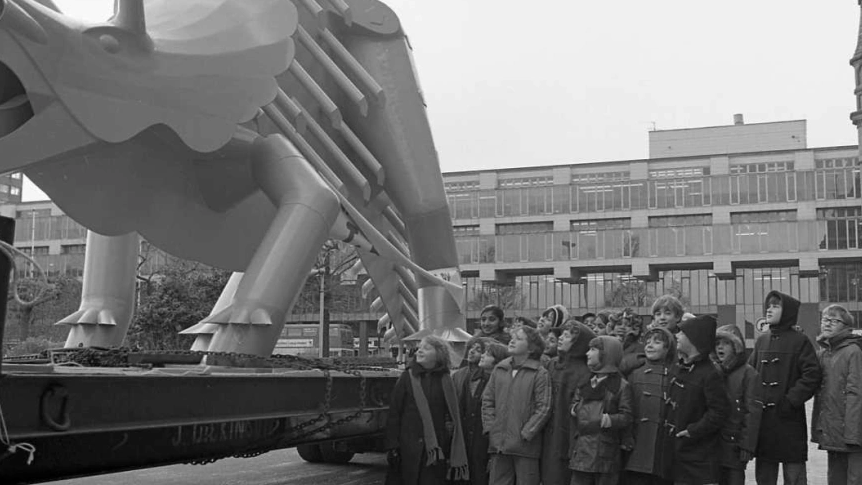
x=677 y=402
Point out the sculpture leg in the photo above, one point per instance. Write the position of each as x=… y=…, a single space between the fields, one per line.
x=307 y=209
x=108 y=294
x=204 y=331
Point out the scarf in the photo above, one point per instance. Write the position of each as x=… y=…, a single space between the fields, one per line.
x=458 y=460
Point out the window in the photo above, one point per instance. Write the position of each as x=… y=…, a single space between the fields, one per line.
x=525 y=228
x=73 y=249
x=764 y=232
x=16 y=175
x=840 y=227
x=597 y=192
x=15 y=190
x=592 y=178
x=526 y=182
x=461 y=186
x=761 y=167
x=466 y=231
x=679 y=172
x=601 y=224
x=766 y=216
x=681 y=221
x=836 y=178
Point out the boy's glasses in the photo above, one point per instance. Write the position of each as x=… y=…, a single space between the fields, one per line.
x=833 y=321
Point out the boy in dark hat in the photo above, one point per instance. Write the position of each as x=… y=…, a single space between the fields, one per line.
x=697 y=405
x=790 y=375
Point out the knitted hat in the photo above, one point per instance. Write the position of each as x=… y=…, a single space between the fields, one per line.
x=557 y=314
x=610 y=354
x=732 y=334
x=581 y=338
x=700 y=330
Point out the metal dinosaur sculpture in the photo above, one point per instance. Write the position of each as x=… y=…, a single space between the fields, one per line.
x=238 y=134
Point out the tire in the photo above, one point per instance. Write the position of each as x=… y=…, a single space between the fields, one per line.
x=330 y=455
x=310 y=453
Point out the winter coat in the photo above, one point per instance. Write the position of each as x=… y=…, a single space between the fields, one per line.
x=404 y=426
x=597 y=449
x=697 y=403
x=742 y=427
x=790 y=374
x=500 y=335
x=515 y=408
x=836 y=423
x=633 y=357
x=470 y=390
x=567 y=372
x=650 y=385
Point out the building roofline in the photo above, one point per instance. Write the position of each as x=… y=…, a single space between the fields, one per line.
x=637 y=160
x=730 y=126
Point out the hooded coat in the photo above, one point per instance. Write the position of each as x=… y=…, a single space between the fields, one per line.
x=743 y=383
x=836 y=423
x=567 y=372
x=697 y=403
x=650 y=384
x=597 y=449
x=515 y=408
x=790 y=375
x=404 y=427
x=557 y=314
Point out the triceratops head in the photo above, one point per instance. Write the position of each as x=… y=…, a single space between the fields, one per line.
x=199 y=68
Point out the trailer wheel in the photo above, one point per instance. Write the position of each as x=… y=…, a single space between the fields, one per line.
x=310 y=453
x=331 y=455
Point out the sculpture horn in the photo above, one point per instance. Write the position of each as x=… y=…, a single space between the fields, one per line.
x=14 y=18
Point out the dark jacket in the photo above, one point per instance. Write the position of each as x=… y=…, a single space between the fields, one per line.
x=404 y=425
x=470 y=386
x=633 y=357
x=741 y=430
x=836 y=424
x=567 y=372
x=597 y=449
x=697 y=403
x=650 y=384
x=790 y=375
x=515 y=408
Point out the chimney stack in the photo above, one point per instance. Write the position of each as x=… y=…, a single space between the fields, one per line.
x=737 y=119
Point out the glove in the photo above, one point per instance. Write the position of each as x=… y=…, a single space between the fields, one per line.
x=606 y=421
x=393 y=457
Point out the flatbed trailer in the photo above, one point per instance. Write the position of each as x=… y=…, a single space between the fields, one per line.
x=91 y=420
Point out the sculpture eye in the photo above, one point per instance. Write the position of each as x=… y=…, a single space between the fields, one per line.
x=109 y=43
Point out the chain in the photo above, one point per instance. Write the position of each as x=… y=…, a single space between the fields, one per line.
x=123 y=356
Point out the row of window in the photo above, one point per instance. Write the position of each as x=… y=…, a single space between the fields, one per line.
x=699 y=290
x=663 y=241
x=659 y=193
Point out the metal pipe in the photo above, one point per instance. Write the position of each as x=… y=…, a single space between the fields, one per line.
x=7 y=235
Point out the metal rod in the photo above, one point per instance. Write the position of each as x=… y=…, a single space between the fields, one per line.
x=7 y=235
x=340 y=78
x=352 y=64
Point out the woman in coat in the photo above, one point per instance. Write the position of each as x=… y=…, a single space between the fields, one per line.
x=423 y=432
x=567 y=372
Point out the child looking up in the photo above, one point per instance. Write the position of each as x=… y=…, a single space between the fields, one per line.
x=697 y=405
x=650 y=385
x=740 y=431
x=629 y=329
x=602 y=412
x=515 y=407
x=666 y=312
x=567 y=372
x=837 y=417
x=790 y=374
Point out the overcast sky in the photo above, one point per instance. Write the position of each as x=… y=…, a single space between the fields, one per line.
x=560 y=81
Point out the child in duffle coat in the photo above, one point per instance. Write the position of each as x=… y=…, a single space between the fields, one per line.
x=790 y=375
x=567 y=372
x=740 y=431
x=650 y=385
x=697 y=406
x=836 y=424
x=601 y=415
x=515 y=407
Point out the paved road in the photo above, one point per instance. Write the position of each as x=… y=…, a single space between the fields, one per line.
x=280 y=467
